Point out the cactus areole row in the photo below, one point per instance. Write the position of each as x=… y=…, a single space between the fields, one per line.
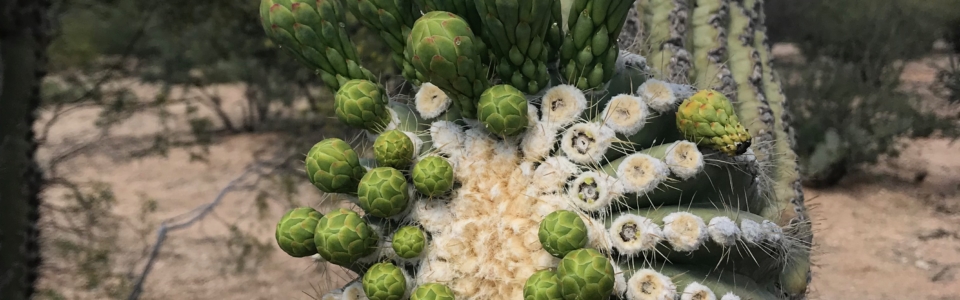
x=550 y=153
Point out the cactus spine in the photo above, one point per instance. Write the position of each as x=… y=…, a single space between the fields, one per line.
x=659 y=171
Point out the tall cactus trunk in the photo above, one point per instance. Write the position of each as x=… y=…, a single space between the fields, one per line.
x=22 y=47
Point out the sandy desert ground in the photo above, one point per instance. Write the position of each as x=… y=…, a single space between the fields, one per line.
x=880 y=235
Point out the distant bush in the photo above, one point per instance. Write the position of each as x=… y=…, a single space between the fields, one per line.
x=846 y=96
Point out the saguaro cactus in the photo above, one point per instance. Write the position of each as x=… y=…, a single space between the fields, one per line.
x=23 y=40
x=656 y=165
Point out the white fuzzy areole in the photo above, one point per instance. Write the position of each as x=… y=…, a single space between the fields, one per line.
x=619 y=281
x=724 y=231
x=646 y=237
x=597 y=237
x=625 y=114
x=685 y=231
x=354 y=291
x=658 y=95
x=771 y=232
x=563 y=104
x=684 y=159
x=332 y=295
x=631 y=60
x=486 y=243
x=648 y=284
x=751 y=231
x=641 y=173
x=551 y=176
x=448 y=138
x=538 y=140
x=430 y=101
x=697 y=291
x=593 y=199
x=586 y=143
x=730 y=296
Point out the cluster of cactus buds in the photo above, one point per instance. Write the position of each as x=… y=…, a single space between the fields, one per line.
x=544 y=157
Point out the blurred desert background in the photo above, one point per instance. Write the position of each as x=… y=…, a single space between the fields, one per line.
x=156 y=140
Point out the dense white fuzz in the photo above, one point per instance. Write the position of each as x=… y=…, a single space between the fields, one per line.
x=431 y=101
x=648 y=284
x=723 y=231
x=417 y=143
x=633 y=234
x=751 y=231
x=629 y=60
x=411 y=283
x=586 y=143
x=597 y=237
x=682 y=91
x=771 y=232
x=658 y=95
x=641 y=173
x=563 y=104
x=684 y=159
x=394 y=120
x=625 y=114
x=592 y=191
x=730 y=296
x=551 y=176
x=697 y=291
x=619 y=281
x=332 y=295
x=538 y=140
x=448 y=138
x=317 y=258
x=432 y=214
x=354 y=291
x=685 y=231
x=549 y=203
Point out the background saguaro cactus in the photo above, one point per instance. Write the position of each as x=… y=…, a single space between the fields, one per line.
x=22 y=46
x=651 y=166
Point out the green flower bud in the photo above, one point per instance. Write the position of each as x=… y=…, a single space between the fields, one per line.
x=393 y=149
x=433 y=176
x=295 y=231
x=333 y=167
x=586 y=274
x=343 y=237
x=542 y=285
x=384 y=281
x=383 y=192
x=362 y=104
x=562 y=231
x=708 y=118
x=503 y=110
x=432 y=291
x=409 y=241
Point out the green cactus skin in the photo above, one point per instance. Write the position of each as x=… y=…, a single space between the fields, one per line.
x=394 y=149
x=393 y=19
x=589 y=52
x=295 y=232
x=561 y=232
x=585 y=274
x=311 y=30
x=735 y=219
x=432 y=291
x=342 y=237
x=433 y=176
x=409 y=242
x=708 y=118
x=362 y=104
x=333 y=167
x=384 y=281
x=503 y=110
x=383 y=192
x=444 y=51
x=24 y=38
x=516 y=34
x=542 y=285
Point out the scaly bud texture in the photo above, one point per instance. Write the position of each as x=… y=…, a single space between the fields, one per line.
x=615 y=178
x=516 y=33
x=313 y=31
